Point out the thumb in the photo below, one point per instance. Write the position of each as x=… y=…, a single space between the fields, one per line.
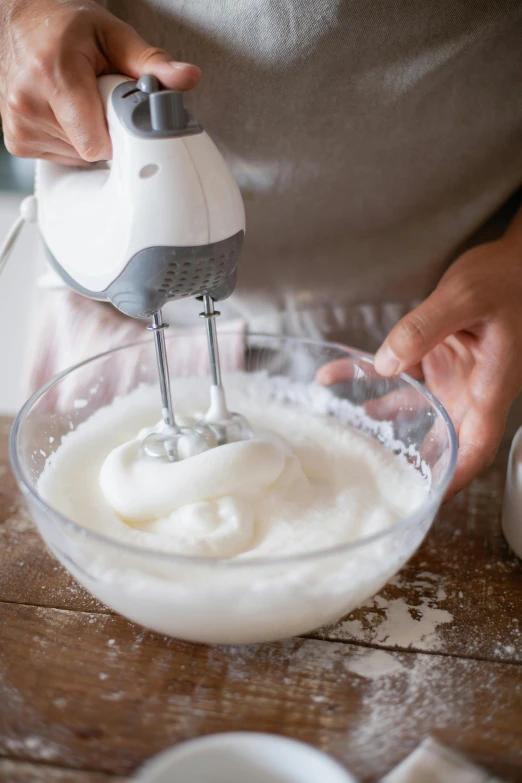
x=439 y=316
x=128 y=54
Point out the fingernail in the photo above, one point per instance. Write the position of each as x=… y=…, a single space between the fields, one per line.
x=386 y=363
x=181 y=66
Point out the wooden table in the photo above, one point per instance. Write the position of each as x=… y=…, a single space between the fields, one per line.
x=86 y=696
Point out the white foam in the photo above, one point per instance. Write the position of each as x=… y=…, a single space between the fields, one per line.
x=339 y=486
x=307 y=481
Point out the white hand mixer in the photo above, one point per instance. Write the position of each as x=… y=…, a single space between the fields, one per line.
x=163 y=220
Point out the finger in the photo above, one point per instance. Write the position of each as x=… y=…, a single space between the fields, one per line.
x=400 y=405
x=448 y=372
x=416 y=372
x=401 y=402
x=132 y=56
x=435 y=450
x=78 y=109
x=33 y=143
x=52 y=127
x=51 y=145
x=479 y=438
x=344 y=370
x=25 y=112
x=492 y=389
x=336 y=372
x=439 y=316
x=30 y=140
x=497 y=377
x=56 y=132
x=63 y=160
x=28 y=135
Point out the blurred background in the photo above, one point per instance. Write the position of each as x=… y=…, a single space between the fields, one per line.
x=18 y=290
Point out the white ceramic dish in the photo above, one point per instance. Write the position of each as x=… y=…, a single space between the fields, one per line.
x=243 y=757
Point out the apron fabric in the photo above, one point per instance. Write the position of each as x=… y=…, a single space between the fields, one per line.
x=370 y=140
x=373 y=142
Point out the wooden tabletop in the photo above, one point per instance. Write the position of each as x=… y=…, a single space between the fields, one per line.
x=86 y=696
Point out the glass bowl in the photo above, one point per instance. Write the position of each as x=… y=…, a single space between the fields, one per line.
x=256 y=599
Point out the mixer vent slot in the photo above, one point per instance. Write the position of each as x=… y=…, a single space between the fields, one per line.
x=187 y=278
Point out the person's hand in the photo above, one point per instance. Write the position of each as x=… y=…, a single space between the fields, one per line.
x=51 y=52
x=465 y=340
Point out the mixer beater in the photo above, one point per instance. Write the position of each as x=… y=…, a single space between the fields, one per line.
x=219 y=426
x=172 y=441
x=227 y=426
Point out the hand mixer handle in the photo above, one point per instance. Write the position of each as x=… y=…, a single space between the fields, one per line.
x=164 y=220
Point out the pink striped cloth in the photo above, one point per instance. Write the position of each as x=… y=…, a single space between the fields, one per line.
x=70 y=328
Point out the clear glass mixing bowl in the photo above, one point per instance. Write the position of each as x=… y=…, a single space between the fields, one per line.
x=220 y=600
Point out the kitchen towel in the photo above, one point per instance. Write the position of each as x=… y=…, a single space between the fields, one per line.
x=433 y=762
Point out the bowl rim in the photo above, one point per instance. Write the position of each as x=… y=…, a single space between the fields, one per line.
x=431 y=503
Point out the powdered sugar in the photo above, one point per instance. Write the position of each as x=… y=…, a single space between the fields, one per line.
x=375 y=664
x=404 y=626
x=407 y=696
x=396 y=622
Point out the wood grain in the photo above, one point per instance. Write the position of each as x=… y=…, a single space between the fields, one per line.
x=25 y=772
x=29 y=573
x=97 y=693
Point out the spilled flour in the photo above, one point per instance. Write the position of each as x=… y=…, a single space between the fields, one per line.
x=395 y=622
x=373 y=707
x=375 y=664
x=405 y=697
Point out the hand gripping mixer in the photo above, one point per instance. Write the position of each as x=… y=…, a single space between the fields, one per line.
x=163 y=220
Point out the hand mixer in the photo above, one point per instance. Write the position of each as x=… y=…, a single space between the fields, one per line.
x=163 y=220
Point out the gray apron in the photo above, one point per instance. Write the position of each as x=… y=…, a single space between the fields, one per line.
x=372 y=142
